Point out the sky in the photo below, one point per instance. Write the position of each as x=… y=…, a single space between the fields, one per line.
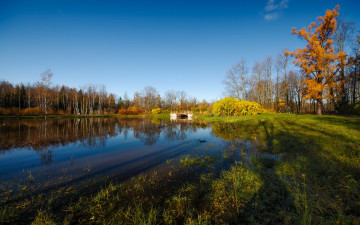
x=171 y=45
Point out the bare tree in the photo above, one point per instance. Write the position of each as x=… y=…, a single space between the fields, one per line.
x=277 y=85
x=126 y=101
x=28 y=94
x=46 y=81
x=354 y=74
x=235 y=80
x=267 y=67
x=102 y=97
x=343 y=37
x=170 y=99
x=91 y=92
x=181 y=96
x=257 y=81
x=150 y=95
x=138 y=100
x=283 y=63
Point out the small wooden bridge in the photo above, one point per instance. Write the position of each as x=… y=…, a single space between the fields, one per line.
x=181 y=115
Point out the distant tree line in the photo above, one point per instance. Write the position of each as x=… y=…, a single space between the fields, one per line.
x=327 y=79
x=41 y=98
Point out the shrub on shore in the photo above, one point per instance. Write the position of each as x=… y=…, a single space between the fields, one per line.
x=233 y=107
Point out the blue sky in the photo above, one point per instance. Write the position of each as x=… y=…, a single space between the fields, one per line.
x=127 y=45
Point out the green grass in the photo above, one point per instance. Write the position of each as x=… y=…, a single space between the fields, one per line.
x=307 y=172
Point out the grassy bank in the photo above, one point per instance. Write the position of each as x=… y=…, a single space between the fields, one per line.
x=305 y=169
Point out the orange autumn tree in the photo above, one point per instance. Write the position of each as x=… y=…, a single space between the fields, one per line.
x=317 y=60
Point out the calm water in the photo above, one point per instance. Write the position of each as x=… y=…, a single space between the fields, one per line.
x=43 y=154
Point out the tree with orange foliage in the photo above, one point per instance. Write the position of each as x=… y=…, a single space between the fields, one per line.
x=317 y=59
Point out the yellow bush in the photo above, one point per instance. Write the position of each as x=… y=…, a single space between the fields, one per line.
x=244 y=108
x=224 y=107
x=232 y=107
x=207 y=113
x=156 y=111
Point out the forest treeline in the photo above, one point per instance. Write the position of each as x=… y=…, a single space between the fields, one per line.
x=41 y=98
x=321 y=77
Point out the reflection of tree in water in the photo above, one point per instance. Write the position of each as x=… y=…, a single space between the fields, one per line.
x=147 y=132
x=46 y=157
x=180 y=130
x=39 y=134
x=233 y=131
x=238 y=138
x=171 y=132
x=175 y=131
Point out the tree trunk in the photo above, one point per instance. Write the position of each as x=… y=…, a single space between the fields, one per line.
x=243 y=88
x=342 y=87
x=29 y=97
x=314 y=107
x=45 y=106
x=354 y=86
x=332 y=101
x=319 y=106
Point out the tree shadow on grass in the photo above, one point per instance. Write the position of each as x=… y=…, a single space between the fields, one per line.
x=272 y=203
x=348 y=122
x=310 y=183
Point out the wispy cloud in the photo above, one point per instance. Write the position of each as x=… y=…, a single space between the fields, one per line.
x=271 y=16
x=270 y=5
x=273 y=9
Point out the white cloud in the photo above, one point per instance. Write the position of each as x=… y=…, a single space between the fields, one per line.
x=270 y=6
x=271 y=16
x=284 y=4
x=273 y=9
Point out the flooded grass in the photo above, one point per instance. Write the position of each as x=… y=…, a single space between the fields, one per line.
x=270 y=169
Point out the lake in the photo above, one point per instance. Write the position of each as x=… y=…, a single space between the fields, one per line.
x=38 y=155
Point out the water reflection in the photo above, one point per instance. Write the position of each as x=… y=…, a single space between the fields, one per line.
x=44 y=134
x=91 y=133
x=64 y=151
x=250 y=140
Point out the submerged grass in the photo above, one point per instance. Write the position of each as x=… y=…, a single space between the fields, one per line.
x=304 y=169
